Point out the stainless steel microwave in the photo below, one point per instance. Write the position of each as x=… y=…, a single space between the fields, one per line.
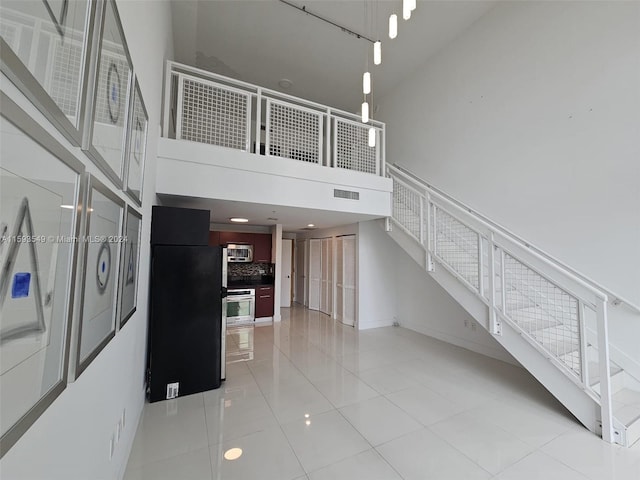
x=238 y=253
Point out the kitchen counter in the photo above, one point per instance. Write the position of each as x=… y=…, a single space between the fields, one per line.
x=248 y=285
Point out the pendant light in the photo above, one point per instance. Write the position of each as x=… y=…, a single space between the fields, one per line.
x=366 y=83
x=406 y=9
x=377 y=53
x=393 y=26
x=365 y=112
x=372 y=137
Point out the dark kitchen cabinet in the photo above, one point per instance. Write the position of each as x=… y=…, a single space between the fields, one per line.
x=236 y=237
x=214 y=239
x=264 y=301
x=262 y=248
x=261 y=243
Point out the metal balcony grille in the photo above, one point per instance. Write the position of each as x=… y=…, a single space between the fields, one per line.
x=352 y=148
x=406 y=208
x=543 y=310
x=457 y=246
x=212 y=114
x=294 y=133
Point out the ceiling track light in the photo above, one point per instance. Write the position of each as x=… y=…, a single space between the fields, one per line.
x=372 y=137
x=365 y=112
x=393 y=26
x=406 y=9
x=377 y=53
x=366 y=83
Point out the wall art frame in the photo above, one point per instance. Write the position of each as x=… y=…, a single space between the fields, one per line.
x=50 y=99
x=129 y=265
x=137 y=145
x=99 y=273
x=36 y=350
x=108 y=92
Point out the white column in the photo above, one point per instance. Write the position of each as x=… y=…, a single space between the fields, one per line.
x=276 y=259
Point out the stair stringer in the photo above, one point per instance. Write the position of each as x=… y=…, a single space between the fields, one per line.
x=584 y=407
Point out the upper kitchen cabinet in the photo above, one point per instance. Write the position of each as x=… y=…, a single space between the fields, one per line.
x=214 y=239
x=262 y=248
x=236 y=237
x=261 y=243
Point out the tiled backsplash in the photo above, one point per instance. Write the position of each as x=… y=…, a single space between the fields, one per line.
x=249 y=269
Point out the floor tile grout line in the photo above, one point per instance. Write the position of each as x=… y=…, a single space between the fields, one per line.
x=280 y=425
x=467 y=456
x=206 y=426
x=373 y=447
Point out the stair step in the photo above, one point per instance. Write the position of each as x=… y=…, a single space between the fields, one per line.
x=558 y=340
x=531 y=319
x=594 y=372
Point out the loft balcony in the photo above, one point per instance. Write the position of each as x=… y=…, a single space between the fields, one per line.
x=231 y=140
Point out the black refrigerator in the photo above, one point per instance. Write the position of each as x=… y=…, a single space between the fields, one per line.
x=187 y=313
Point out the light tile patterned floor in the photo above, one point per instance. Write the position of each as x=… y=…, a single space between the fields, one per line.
x=311 y=399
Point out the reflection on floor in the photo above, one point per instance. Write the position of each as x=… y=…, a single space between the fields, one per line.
x=311 y=399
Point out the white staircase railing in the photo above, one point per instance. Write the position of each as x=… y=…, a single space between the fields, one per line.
x=201 y=106
x=552 y=306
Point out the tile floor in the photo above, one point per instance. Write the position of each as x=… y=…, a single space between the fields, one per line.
x=311 y=399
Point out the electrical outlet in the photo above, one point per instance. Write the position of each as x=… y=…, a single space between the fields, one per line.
x=466 y=323
x=473 y=326
x=124 y=411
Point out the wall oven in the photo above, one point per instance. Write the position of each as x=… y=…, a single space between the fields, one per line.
x=241 y=305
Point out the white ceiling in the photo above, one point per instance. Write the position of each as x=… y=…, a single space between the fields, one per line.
x=293 y=219
x=264 y=41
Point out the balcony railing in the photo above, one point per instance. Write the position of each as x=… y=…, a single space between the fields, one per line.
x=204 y=107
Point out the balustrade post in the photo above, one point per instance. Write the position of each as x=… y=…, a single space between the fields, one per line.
x=495 y=324
x=584 y=361
x=259 y=122
x=606 y=409
x=179 y=102
x=429 y=233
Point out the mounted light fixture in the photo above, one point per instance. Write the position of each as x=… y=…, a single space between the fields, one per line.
x=393 y=26
x=239 y=220
x=406 y=9
x=377 y=53
x=365 y=112
x=372 y=137
x=366 y=83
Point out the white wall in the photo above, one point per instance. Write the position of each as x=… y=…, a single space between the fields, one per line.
x=532 y=117
x=194 y=169
x=70 y=441
x=376 y=273
x=424 y=306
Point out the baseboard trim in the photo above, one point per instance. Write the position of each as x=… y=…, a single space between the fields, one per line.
x=498 y=354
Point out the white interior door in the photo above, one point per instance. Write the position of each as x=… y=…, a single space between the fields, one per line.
x=285 y=285
x=326 y=297
x=300 y=272
x=315 y=271
x=349 y=279
x=339 y=313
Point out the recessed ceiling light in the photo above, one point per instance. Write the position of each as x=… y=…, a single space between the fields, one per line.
x=239 y=220
x=311 y=225
x=233 y=454
x=285 y=83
